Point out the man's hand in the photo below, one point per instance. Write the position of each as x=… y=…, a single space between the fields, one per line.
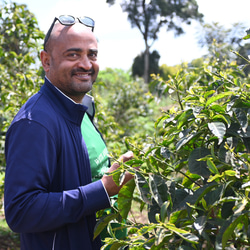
x=108 y=182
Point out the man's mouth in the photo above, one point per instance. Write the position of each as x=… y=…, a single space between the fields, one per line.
x=82 y=75
x=82 y=72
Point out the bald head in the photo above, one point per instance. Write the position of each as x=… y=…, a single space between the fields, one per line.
x=70 y=59
x=60 y=31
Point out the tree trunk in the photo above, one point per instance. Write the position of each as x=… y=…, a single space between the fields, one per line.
x=146 y=64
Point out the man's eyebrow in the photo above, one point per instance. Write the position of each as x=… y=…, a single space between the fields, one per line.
x=93 y=50
x=74 y=49
x=80 y=50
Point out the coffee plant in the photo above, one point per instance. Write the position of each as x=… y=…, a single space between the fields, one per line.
x=193 y=181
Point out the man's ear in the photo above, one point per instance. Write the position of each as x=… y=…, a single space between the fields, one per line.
x=45 y=59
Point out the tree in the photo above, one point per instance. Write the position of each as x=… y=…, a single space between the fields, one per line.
x=244 y=51
x=20 y=40
x=169 y=71
x=150 y=16
x=220 y=40
x=194 y=177
x=139 y=62
x=126 y=101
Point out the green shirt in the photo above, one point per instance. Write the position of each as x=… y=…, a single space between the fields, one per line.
x=99 y=163
x=98 y=153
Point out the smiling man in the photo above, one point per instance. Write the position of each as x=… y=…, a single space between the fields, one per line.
x=50 y=198
x=70 y=60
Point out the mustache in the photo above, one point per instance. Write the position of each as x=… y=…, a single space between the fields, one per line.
x=81 y=70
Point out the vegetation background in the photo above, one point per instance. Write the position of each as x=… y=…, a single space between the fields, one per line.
x=188 y=126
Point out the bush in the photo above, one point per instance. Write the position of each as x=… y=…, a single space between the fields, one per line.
x=20 y=77
x=194 y=176
x=123 y=108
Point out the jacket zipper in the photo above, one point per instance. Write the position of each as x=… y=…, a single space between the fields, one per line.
x=54 y=242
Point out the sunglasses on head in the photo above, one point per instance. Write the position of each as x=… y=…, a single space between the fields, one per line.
x=68 y=20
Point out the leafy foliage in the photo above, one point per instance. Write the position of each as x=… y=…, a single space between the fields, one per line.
x=194 y=175
x=193 y=182
x=122 y=108
x=220 y=40
x=19 y=49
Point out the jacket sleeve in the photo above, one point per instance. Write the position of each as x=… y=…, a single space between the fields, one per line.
x=31 y=161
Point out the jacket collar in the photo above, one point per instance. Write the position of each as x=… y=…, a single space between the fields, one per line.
x=63 y=104
x=88 y=101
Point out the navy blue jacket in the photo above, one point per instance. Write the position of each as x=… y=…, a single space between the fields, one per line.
x=49 y=197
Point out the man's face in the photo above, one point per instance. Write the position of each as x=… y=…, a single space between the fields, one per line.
x=72 y=60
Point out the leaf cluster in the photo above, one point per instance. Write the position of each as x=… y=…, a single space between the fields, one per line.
x=123 y=107
x=20 y=40
x=194 y=176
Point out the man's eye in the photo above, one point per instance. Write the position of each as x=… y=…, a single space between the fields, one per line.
x=93 y=55
x=72 y=55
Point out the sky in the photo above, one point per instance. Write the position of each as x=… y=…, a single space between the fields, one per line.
x=119 y=44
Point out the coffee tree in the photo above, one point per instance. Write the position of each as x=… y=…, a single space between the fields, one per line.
x=20 y=38
x=193 y=182
x=20 y=75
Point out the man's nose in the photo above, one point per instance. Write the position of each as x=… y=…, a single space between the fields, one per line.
x=85 y=63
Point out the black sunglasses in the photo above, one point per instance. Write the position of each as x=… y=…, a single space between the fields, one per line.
x=69 y=20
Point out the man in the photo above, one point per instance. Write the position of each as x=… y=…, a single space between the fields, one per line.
x=49 y=196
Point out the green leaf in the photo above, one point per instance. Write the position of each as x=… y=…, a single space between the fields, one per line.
x=125 y=197
x=159 y=237
x=218 y=97
x=198 y=167
x=235 y=221
x=164 y=210
x=222 y=117
x=162 y=118
x=165 y=152
x=122 y=177
x=182 y=233
x=143 y=187
x=240 y=206
x=184 y=117
x=159 y=189
x=212 y=167
x=248 y=35
x=190 y=179
x=154 y=208
x=208 y=93
x=200 y=224
x=194 y=198
x=185 y=139
x=118 y=245
x=214 y=196
x=230 y=173
x=218 y=108
x=241 y=103
x=227 y=208
x=116 y=174
x=178 y=216
x=246 y=141
x=218 y=129
x=241 y=117
x=102 y=223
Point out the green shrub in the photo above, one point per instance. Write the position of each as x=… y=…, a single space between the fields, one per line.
x=194 y=176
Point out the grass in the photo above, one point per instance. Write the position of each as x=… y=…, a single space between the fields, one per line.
x=8 y=239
